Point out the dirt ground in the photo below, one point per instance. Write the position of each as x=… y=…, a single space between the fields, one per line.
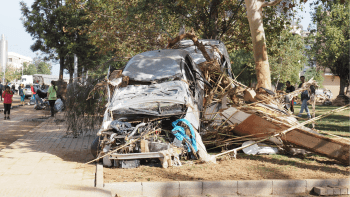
x=18 y=125
x=245 y=167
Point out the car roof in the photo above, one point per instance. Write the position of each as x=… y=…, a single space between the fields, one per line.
x=155 y=65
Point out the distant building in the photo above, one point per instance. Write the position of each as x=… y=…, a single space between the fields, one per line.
x=17 y=60
x=3 y=53
x=331 y=82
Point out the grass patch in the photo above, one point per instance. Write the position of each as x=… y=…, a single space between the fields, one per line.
x=337 y=124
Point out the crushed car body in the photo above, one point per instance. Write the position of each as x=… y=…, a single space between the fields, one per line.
x=160 y=104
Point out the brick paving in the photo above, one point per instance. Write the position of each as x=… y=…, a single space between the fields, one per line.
x=47 y=162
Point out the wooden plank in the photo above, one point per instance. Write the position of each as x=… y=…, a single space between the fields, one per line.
x=301 y=138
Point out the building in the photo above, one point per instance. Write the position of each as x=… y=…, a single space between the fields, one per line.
x=17 y=60
x=3 y=54
x=331 y=82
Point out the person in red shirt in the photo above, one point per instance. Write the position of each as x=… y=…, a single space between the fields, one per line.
x=33 y=90
x=7 y=95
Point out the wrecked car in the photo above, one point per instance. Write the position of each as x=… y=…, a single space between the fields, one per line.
x=215 y=49
x=158 y=98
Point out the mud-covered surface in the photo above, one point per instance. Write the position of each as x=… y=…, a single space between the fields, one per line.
x=20 y=122
x=245 y=167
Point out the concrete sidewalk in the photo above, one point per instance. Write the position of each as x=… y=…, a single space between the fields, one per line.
x=46 y=162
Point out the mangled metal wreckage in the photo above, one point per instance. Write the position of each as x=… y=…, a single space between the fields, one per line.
x=157 y=99
x=156 y=104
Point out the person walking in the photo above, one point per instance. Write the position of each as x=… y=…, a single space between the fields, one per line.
x=21 y=94
x=1 y=89
x=43 y=86
x=13 y=88
x=33 y=91
x=7 y=102
x=304 y=98
x=52 y=96
x=290 y=89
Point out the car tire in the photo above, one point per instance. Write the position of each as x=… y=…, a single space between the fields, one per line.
x=95 y=146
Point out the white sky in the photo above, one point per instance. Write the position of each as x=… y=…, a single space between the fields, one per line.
x=19 y=41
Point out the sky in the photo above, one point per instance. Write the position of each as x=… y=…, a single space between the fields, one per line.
x=19 y=41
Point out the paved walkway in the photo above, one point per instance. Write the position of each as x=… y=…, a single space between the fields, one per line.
x=46 y=162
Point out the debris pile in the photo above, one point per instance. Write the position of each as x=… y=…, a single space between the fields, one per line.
x=163 y=106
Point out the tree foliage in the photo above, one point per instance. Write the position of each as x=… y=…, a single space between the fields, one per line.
x=331 y=40
x=55 y=26
x=29 y=69
x=45 y=23
x=316 y=74
x=12 y=73
x=287 y=57
x=127 y=28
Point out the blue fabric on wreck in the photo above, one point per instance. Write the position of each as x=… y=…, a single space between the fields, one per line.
x=180 y=133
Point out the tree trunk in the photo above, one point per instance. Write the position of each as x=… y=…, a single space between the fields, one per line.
x=70 y=76
x=61 y=67
x=213 y=19
x=342 y=87
x=255 y=18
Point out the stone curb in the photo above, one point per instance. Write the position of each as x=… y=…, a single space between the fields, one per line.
x=223 y=188
x=99 y=176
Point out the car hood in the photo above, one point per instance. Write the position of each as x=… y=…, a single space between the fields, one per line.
x=168 y=92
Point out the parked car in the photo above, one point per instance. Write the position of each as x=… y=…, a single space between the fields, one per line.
x=324 y=93
x=27 y=90
x=164 y=86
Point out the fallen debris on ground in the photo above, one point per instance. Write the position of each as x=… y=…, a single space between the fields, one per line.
x=173 y=104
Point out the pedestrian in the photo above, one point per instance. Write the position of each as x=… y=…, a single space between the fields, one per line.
x=1 y=89
x=290 y=89
x=33 y=91
x=21 y=93
x=43 y=86
x=304 y=98
x=7 y=102
x=52 y=96
x=13 y=88
x=38 y=99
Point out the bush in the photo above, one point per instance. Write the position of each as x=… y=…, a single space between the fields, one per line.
x=83 y=114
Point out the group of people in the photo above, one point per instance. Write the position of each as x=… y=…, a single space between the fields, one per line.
x=304 y=97
x=7 y=97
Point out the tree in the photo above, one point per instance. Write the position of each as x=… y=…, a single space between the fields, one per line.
x=243 y=66
x=44 y=68
x=29 y=69
x=12 y=73
x=316 y=74
x=45 y=23
x=331 y=40
x=255 y=18
x=56 y=26
x=287 y=57
x=128 y=28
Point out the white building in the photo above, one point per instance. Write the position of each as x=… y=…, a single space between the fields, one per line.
x=17 y=60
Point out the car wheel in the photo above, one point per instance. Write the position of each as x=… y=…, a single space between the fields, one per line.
x=95 y=146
